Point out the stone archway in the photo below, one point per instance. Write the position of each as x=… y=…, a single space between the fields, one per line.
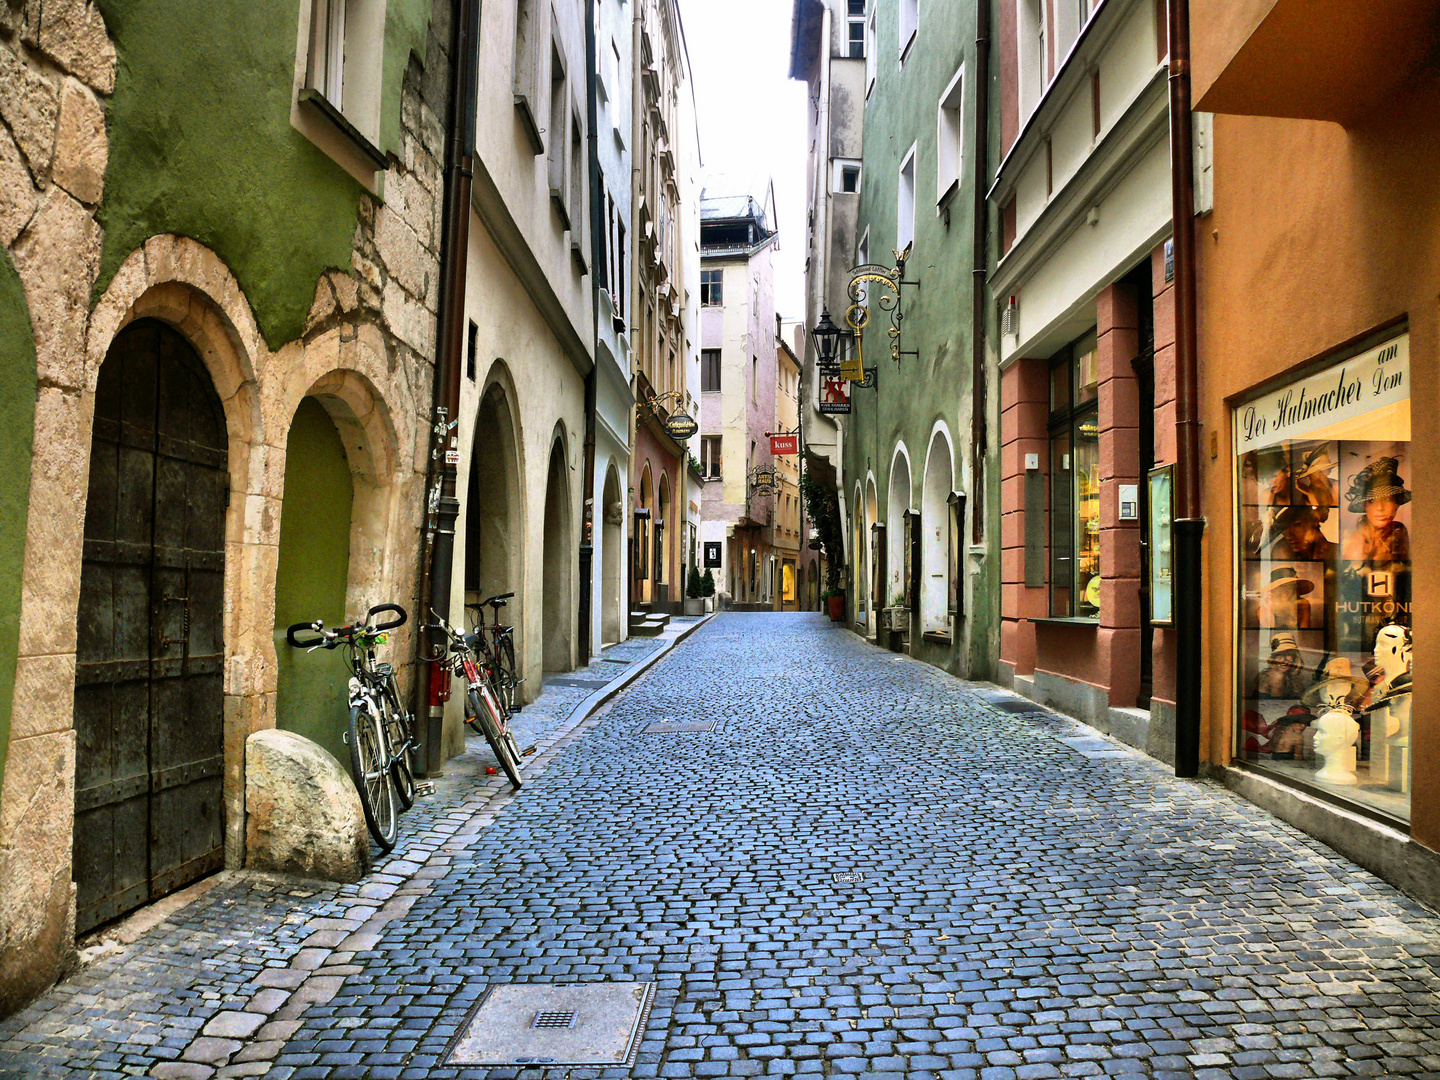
x=935 y=580
x=558 y=566
x=898 y=501
x=612 y=610
x=641 y=540
x=494 y=533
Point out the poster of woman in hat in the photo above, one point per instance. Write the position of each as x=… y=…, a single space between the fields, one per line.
x=1282 y=594
x=1375 y=542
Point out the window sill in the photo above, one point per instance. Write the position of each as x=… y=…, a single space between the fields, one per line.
x=528 y=124
x=938 y=637
x=909 y=44
x=557 y=200
x=1067 y=621
x=947 y=196
x=317 y=103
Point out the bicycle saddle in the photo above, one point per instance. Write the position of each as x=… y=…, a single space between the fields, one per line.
x=497 y=602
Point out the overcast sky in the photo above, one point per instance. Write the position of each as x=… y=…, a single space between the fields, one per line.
x=752 y=115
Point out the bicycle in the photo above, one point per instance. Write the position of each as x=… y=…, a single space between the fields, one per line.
x=502 y=649
x=380 y=732
x=484 y=711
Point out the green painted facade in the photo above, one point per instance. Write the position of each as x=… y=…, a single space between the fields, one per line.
x=17 y=426
x=310 y=581
x=201 y=145
x=901 y=111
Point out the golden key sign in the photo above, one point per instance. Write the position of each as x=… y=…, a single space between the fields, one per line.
x=888 y=281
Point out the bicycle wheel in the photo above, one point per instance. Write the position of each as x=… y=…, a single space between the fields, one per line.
x=398 y=729
x=372 y=778
x=497 y=738
x=507 y=665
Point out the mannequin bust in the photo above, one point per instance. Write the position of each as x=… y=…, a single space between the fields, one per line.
x=1390 y=717
x=1336 y=731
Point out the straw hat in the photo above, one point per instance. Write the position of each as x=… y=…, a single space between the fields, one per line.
x=1336 y=677
x=1377 y=480
x=1285 y=575
x=1316 y=461
x=1283 y=643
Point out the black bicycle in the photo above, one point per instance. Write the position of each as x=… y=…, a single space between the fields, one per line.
x=501 y=650
x=469 y=659
x=381 y=733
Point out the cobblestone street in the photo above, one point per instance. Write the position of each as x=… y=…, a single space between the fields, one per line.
x=865 y=868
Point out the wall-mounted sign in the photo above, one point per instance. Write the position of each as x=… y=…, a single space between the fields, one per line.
x=764 y=477
x=763 y=491
x=1375 y=379
x=834 y=396
x=784 y=444
x=680 y=427
x=1162 y=513
x=1129 y=502
x=712 y=554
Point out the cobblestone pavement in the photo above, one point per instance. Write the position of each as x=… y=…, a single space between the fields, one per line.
x=865 y=869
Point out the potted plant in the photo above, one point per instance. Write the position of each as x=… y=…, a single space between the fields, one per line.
x=694 y=604
x=896 y=617
x=834 y=601
x=707 y=589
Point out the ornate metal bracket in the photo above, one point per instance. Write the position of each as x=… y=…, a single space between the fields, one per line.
x=890 y=283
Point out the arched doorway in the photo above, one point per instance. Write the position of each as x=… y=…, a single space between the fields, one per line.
x=149 y=688
x=663 y=529
x=493 y=531
x=311 y=578
x=612 y=611
x=870 y=544
x=642 y=555
x=558 y=568
x=899 y=502
x=936 y=569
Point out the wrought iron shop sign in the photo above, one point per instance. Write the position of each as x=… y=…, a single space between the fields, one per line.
x=681 y=427
x=887 y=284
x=834 y=395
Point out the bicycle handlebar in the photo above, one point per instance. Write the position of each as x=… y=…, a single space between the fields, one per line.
x=322 y=638
x=381 y=608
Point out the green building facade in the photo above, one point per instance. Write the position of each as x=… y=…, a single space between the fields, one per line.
x=918 y=481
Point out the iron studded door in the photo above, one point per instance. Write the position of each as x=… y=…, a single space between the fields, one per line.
x=149 y=699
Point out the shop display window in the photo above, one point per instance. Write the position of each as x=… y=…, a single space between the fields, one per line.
x=1075 y=482
x=1323 y=517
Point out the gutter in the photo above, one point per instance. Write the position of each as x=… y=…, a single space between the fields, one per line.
x=1189 y=522
x=597 y=275
x=979 y=408
x=442 y=506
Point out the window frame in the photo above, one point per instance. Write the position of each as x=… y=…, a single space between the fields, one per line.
x=712 y=456
x=1065 y=421
x=837 y=177
x=950 y=140
x=712 y=292
x=710 y=364
x=871 y=40
x=905 y=232
x=908 y=12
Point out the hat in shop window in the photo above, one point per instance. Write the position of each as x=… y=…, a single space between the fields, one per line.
x=1380 y=479
x=1283 y=643
x=1285 y=575
x=1338 y=675
x=1316 y=462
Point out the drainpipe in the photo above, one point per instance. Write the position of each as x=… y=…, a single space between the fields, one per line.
x=979 y=410
x=443 y=466
x=597 y=278
x=1189 y=523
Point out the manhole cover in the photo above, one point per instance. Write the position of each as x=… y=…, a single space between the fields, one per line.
x=571 y=681
x=678 y=727
x=548 y=1024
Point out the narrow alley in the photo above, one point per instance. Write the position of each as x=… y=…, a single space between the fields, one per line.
x=865 y=867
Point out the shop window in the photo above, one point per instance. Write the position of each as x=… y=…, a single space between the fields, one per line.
x=1075 y=482
x=1323 y=467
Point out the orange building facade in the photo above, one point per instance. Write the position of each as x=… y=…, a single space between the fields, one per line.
x=1319 y=326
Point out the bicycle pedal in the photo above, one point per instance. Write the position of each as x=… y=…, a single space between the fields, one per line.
x=424 y=788
x=527 y=751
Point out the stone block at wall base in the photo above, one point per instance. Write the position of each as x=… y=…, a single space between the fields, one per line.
x=1005 y=675
x=1386 y=852
x=1151 y=732
x=303 y=815
x=1160 y=738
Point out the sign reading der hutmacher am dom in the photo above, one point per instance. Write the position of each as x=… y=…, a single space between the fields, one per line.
x=1374 y=379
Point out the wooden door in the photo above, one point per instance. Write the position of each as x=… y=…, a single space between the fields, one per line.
x=149 y=696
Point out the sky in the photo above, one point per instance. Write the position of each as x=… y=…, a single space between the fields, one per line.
x=752 y=115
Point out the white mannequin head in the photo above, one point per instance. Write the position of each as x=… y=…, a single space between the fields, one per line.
x=1392 y=651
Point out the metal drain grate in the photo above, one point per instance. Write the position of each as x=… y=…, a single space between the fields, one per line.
x=678 y=727
x=545 y=1024
x=849 y=877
